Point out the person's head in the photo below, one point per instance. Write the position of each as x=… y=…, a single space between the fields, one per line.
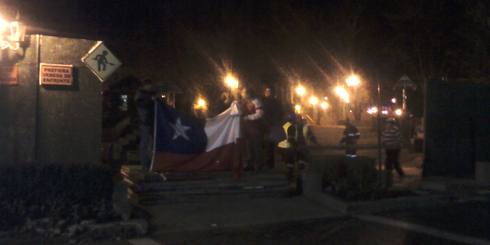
x=268 y=92
x=247 y=93
x=225 y=95
x=244 y=93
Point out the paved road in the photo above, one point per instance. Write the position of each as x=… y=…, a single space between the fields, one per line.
x=349 y=231
x=458 y=223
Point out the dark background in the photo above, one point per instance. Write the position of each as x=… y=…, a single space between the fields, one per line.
x=191 y=43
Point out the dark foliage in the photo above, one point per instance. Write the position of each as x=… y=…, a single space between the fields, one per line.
x=352 y=179
x=69 y=193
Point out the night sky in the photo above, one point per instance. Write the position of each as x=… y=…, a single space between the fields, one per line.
x=191 y=42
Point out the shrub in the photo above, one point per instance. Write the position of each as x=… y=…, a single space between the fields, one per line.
x=352 y=179
x=70 y=193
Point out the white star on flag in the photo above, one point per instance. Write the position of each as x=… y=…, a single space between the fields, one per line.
x=180 y=130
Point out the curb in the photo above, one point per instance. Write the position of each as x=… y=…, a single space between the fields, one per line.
x=389 y=204
x=161 y=229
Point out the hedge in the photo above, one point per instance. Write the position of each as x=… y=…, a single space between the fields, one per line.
x=71 y=193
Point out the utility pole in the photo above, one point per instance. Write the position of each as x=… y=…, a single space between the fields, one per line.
x=380 y=164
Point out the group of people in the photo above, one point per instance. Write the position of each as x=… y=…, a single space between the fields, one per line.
x=261 y=115
x=391 y=142
x=267 y=127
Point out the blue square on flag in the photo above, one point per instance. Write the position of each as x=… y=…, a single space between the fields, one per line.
x=177 y=133
x=184 y=143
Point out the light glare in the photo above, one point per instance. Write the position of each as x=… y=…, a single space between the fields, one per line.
x=342 y=93
x=313 y=100
x=297 y=109
x=231 y=81
x=353 y=80
x=324 y=105
x=398 y=112
x=201 y=104
x=300 y=90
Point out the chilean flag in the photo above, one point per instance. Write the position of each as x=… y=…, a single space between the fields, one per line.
x=184 y=144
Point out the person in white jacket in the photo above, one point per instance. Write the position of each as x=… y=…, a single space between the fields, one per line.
x=253 y=129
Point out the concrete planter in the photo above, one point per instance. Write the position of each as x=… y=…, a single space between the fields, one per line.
x=482 y=172
x=313 y=191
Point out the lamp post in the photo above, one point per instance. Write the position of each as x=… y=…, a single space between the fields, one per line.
x=353 y=81
x=300 y=91
x=313 y=100
x=232 y=83
x=344 y=97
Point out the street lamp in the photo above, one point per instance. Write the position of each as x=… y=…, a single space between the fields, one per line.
x=313 y=100
x=324 y=105
x=393 y=100
x=297 y=109
x=353 y=80
x=342 y=93
x=399 y=112
x=231 y=81
x=201 y=104
x=11 y=33
x=372 y=110
x=3 y=24
x=344 y=96
x=300 y=90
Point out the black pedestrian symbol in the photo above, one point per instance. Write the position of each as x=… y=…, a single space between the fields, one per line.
x=102 y=61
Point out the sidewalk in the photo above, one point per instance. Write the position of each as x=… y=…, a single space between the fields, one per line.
x=230 y=212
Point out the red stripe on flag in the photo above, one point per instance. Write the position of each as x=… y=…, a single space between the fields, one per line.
x=226 y=157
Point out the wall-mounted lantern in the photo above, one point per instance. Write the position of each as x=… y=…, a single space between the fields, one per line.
x=11 y=33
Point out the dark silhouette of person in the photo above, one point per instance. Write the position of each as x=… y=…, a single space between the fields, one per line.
x=102 y=61
x=350 y=138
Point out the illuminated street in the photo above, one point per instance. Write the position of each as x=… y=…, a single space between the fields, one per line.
x=244 y=122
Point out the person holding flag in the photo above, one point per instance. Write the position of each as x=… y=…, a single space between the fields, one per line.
x=253 y=129
x=183 y=143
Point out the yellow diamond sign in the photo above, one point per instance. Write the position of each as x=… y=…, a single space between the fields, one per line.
x=101 y=61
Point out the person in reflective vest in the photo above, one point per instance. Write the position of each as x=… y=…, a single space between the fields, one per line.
x=350 y=138
x=292 y=150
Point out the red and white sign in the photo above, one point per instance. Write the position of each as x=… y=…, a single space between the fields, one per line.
x=8 y=74
x=55 y=74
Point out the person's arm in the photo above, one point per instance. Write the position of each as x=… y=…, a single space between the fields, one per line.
x=259 y=112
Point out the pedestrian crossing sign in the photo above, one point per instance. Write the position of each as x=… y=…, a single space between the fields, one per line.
x=101 y=61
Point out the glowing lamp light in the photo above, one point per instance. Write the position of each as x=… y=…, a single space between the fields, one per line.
x=372 y=110
x=297 y=109
x=300 y=90
x=324 y=105
x=3 y=24
x=201 y=104
x=11 y=34
x=342 y=93
x=313 y=100
x=398 y=112
x=231 y=81
x=384 y=112
x=393 y=100
x=353 y=80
